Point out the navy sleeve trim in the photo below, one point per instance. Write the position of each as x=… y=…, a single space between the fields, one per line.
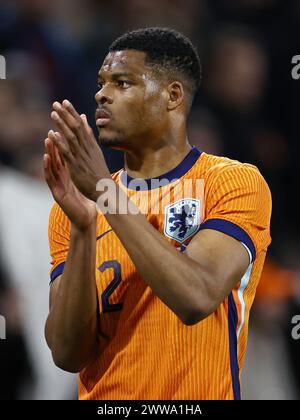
x=233 y=348
x=232 y=230
x=57 y=272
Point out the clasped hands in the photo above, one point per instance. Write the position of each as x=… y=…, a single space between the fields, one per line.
x=77 y=145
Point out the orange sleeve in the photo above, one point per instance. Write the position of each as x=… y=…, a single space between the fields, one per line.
x=238 y=203
x=59 y=239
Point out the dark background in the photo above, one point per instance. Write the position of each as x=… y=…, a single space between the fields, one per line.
x=247 y=109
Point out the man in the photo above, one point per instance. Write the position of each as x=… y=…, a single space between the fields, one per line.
x=154 y=305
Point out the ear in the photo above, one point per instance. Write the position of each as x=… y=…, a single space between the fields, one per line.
x=175 y=95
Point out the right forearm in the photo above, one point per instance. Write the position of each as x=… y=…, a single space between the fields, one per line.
x=71 y=328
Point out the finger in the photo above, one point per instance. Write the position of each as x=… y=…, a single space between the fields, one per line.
x=48 y=147
x=67 y=133
x=70 y=116
x=89 y=135
x=81 y=127
x=56 y=154
x=63 y=147
x=52 y=162
x=86 y=125
x=48 y=174
x=51 y=149
x=69 y=107
x=58 y=157
x=61 y=158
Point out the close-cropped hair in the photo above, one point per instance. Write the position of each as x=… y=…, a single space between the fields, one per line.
x=167 y=51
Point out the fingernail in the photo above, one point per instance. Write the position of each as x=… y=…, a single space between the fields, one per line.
x=54 y=115
x=56 y=105
x=66 y=103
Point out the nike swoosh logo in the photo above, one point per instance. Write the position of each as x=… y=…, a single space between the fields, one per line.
x=103 y=234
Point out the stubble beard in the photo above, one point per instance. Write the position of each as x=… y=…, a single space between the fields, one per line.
x=111 y=142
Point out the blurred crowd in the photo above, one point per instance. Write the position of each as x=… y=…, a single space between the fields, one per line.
x=246 y=110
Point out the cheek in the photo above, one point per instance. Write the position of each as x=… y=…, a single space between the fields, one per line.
x=155 y=99
x=141 y=108
x=155 y=108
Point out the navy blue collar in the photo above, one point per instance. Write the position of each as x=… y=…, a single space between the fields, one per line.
x=170 y=176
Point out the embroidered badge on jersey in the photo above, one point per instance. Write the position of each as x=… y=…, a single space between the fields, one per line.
x=182 y=219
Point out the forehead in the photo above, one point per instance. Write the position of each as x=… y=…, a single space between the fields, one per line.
x=129 y=61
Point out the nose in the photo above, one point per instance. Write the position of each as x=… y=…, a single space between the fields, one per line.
x=103 y=96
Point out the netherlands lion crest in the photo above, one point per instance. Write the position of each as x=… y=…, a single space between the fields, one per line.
x=182 y=219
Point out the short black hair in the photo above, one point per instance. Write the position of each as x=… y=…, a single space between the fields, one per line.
x=165 y=49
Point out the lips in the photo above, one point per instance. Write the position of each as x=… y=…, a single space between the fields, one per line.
x=102 y=117
x=102 y=113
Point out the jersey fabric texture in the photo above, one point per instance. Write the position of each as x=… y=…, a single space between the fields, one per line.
x=145 y=351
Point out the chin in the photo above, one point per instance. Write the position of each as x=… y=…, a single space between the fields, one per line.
x=111 y=141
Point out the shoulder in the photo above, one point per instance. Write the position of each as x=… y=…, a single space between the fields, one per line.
x=216 y=165
x=219 y=170
x=236 y=197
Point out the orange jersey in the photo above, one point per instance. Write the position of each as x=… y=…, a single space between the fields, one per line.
x=145 y=351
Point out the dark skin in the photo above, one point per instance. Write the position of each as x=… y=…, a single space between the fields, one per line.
x=148 y=122
x=147 y=131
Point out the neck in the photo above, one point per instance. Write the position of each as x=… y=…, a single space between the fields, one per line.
x=158 y=158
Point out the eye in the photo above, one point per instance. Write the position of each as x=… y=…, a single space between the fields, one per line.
x=123 y=84
x=100 y=85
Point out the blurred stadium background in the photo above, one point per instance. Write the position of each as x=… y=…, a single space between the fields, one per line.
x=247 y=109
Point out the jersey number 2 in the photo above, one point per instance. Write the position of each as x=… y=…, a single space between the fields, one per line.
x=106 y=306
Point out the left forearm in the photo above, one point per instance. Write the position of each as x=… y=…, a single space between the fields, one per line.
x=172 y=276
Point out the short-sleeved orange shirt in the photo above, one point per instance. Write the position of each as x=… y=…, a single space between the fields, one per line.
x=145 y=351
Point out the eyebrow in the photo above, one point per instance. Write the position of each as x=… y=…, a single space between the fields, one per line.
x=116 y=76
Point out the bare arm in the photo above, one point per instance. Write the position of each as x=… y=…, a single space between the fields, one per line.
x=71 y=327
